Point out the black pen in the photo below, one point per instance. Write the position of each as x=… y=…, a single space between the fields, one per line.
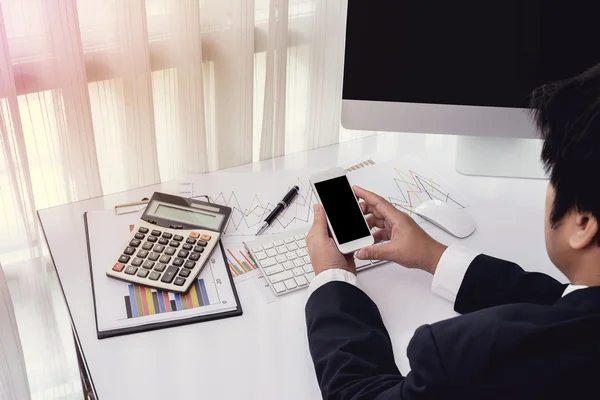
x=282 y=205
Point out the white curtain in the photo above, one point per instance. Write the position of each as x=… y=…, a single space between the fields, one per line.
x=101 y=96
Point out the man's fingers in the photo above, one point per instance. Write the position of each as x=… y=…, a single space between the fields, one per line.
x=375 y=222
x=382 y=235
x=375 y=203
x=319 y=226
x=378 y=252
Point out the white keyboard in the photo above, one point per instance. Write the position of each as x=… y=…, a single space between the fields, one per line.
x=284 y=261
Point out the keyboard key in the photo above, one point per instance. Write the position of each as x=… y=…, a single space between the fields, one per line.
x=310 y=276
x=189 y=264
x=278 y=243
x=183 y=254
x=164 y=259
x=268 y=246
x=153 y=256
x=282 y=250
x=179 y=281
x=289 y=240
x=163 y=241
x=288 y=265
x=152 y=239
x=298 y=271
x=206 y=238
x=290 y=284
x=268 y=262
x=143 y=230
x=142 y=253
x=154 y=275
x=187 y=247
x=129 y=250
x=130 y=270
x=159 y=248
x=194 y=235
x=298 y=262
x=292 y=247
x=301 y=252
x=257 y=249
x=118 y=267
x=280 y=277
x=139 y=236
x=306 y=259
x=167 y=235
x=159 y=267
x=291 y=256
x=184 y=272
x=190 y=240
x=174 y=243
x=137 y=262
x=279 y=287
x=201 y=243
x=195 y=256
x=273 y=270
x=299 y=237
x=301 y=280
x=178 y=238
x=148 y=264
x=281 y=258
x=301 y=243
x=271 y=252
x=148 y=246
x=178 y=262
x=307 y=268
x=155 y=233
x=124 y=259
x=135 y=243
x=170 y=251
x=169 y=274
x=198 y=249
x=142 y=273
x=261 y=255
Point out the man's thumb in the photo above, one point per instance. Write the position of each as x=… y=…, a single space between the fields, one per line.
x=320 y=221
x=377 y=252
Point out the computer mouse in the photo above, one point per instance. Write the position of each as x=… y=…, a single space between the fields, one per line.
x=454 y=221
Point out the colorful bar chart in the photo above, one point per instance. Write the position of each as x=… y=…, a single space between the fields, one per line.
x=238 y=259
x=143 y=301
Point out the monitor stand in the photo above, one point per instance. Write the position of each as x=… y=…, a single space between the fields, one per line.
x=501 y=157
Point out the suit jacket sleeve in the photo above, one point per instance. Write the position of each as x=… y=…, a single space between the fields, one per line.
x=492 y=282
x=353 y=354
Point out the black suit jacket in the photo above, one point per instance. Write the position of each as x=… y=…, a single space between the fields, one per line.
x=517 y=339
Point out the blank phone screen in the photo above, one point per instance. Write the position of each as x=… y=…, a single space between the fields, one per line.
x=341 y=208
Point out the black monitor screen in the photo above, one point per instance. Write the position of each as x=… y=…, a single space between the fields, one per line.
x=483 y=53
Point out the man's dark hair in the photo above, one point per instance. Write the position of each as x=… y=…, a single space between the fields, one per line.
x=567 y=114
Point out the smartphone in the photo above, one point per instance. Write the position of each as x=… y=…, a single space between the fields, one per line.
x=346 y=221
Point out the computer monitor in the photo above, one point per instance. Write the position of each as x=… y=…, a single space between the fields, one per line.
x=463 y=68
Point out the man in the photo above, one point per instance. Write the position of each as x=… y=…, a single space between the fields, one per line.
x=522 y=335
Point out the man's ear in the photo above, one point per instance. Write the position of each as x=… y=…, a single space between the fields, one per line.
x=585 y=231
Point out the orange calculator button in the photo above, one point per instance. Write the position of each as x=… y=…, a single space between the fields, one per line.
x=206 y=238
x=194 y=235
x=118 y=267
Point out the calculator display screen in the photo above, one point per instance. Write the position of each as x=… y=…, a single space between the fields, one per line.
x=210 y=221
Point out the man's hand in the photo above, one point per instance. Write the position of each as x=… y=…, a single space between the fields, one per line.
x=322 y=250
x=409 y=245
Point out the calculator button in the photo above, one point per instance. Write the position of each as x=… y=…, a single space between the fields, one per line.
x=198 y=249
x=118 y=267
x=130 y=270
x=278 y=242
x=142 y=273
x=137 y=262
x=178 y=262
x=187 y=247
x=190 y=241
x=179 y=238
x=139 y=236
x=169 y=274
x=183 y=253
x=164 y=259
x=190 y=264
x=205 y=237
x=147 y=246
x=129 y=251
x=143 y=230
x=142 y=253
x=184 y=272
x=148 y=264
x=194 y=235
x=159 y=248
x=195 y=256
x=201 y=243
x=174 y=243
x=179 y=282
x=155 y=233
x=124 y=259
x=160 y=267
x=154 y=275
x=167 y=235
x=135 y=243
x=163 y=241
x=153 y=256
x=299 y=237
x=170 y=251
x=152 y=239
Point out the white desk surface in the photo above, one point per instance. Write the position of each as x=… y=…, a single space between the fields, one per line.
x=264 y=353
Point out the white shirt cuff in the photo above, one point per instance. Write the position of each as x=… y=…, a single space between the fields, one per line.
x=451 y=271
x=332 y=275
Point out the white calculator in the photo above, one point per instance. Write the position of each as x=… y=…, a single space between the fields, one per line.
x=171 y=243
